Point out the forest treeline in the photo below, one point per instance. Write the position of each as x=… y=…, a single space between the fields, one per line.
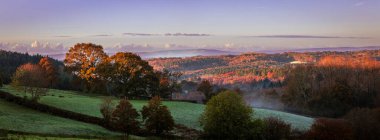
x=334 y=85
x=251 y=71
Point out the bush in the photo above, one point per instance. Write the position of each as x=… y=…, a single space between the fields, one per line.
x=276 y=129
x=227 y=116
x=330 y=129
x=106 y=109
x=157 y=117
x=125 y=117
x=365 y=122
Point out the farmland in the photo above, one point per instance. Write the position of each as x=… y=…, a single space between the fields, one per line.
x=17 y=118
x=182 y=112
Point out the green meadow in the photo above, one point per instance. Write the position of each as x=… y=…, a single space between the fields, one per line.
x=183 y=112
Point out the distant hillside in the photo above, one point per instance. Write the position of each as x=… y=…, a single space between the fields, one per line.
x=263 y=69
x=169 y=53
x=184 y=53
x=337 y=49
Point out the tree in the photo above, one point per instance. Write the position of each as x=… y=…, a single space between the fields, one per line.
x=106 y=109
x=157 y=117
x=276 y=129
x=169 y=83
x=365 y=122
x=125 y=117
x=227 y=116
x=129 y=75
x=83 y=59
x=207 y=89
x=330 y=129
x=49 y=69
x=31 y=79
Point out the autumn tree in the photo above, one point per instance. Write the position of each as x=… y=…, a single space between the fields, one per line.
x=365 y=122
x=83 y=59
x=49 y=69
x=124 y=117
x=129 y=75
x=157 y=117
x=227 y=116
x=276 y=129
x=206 y=88
x=330 y=129
x=169 y=83
x=333 y=86
x=31 y=79
x=106 y=109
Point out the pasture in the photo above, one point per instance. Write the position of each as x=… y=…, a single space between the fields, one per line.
x=182 y=112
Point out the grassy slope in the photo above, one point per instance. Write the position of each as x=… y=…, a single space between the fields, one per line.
x=18 y=118
x=183 y=113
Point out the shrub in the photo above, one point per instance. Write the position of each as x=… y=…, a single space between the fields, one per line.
x=157 y=117
x=106 y=109
x=365 y=122
x=227 y=116
x=276 y=129
x=330 y=129
x=125 y=117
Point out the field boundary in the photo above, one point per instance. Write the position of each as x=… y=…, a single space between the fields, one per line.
x=78 y=116
x=52 y=110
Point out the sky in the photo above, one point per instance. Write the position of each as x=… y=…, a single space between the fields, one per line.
x=146 y=25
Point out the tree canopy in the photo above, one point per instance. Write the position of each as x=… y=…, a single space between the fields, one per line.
x=157 y=117
x=83 y=58
x=127 y=74
x=227 y=116
x=30 y=78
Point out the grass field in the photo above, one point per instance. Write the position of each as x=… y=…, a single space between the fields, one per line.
x=183 y=113
x=17 y=118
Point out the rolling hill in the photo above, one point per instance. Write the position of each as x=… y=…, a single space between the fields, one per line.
x=183 y=112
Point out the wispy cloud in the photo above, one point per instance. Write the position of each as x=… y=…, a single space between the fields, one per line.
x=186 y=34
x=62 y=36
x=167 y=34
x=309 y=36
x=101 y=35
x=140 y=34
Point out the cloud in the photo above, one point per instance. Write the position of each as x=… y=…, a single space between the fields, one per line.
x=167 y=34
x=35 y=48
x=140 y=34
x=360 y=3
x=308 y=36
x=62 y=36
x=186 y=34
x=101 y=35
x=119 y=47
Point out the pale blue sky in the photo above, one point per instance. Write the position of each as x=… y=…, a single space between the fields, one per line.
x=229 y=21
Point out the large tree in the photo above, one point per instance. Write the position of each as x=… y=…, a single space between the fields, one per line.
x=129 y=75
x=49 y=69
x=31 y=79
x=227 y=116
x=83 y=59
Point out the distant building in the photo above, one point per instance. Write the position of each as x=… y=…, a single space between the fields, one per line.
x=298 y=62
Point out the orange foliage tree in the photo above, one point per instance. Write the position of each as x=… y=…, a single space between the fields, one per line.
x=49 y=69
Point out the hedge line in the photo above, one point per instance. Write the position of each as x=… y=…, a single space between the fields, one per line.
x=52 y=110
x=72 y=115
